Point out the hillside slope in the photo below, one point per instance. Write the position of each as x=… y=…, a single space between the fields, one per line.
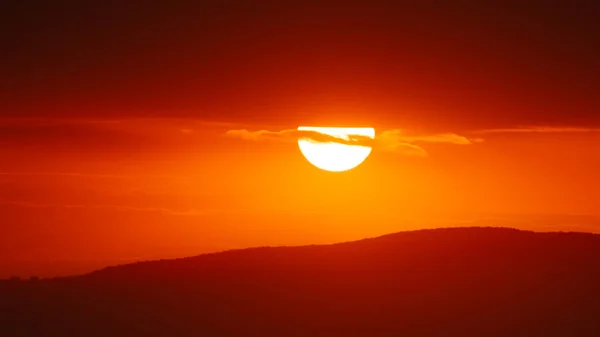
x=443 y=282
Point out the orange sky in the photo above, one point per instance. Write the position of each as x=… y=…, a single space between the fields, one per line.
x=178 y=193
x=124 y=139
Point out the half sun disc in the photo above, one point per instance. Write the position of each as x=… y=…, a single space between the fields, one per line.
x=335 y=157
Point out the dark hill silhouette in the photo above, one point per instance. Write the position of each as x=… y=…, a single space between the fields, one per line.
x=444 y=282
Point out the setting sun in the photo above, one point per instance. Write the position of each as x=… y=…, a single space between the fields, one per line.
x=335 y=157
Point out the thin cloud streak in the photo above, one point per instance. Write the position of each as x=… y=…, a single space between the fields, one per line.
x=540 y=129
x=191 y=212
x=165 y=211
x=90 y=175
x=395 y=141
x=40 y=121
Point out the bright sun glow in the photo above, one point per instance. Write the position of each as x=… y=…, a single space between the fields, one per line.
x=334 y=156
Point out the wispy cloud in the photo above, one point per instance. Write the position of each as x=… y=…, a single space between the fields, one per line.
x=108 y=136
x=396 y=141
x=92 y=175
x=447 y=138
x=190 y=212
x=41 y=121
x=540 y=129
x=292 y=135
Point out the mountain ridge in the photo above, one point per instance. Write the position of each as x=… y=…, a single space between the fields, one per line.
x=412 y=234
x=484 y=281
x=389 y=236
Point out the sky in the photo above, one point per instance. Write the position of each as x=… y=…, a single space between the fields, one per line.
x=133 y=132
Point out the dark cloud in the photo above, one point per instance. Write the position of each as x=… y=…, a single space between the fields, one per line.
x=127 y=136
x=89 y=137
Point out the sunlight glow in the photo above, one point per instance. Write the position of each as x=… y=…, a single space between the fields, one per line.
x=335 y=157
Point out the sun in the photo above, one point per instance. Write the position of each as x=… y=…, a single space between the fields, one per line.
x=331 y=156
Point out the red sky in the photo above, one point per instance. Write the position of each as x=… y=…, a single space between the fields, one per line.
x=114 y=124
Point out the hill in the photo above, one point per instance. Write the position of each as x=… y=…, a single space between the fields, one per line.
x=443 y=282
